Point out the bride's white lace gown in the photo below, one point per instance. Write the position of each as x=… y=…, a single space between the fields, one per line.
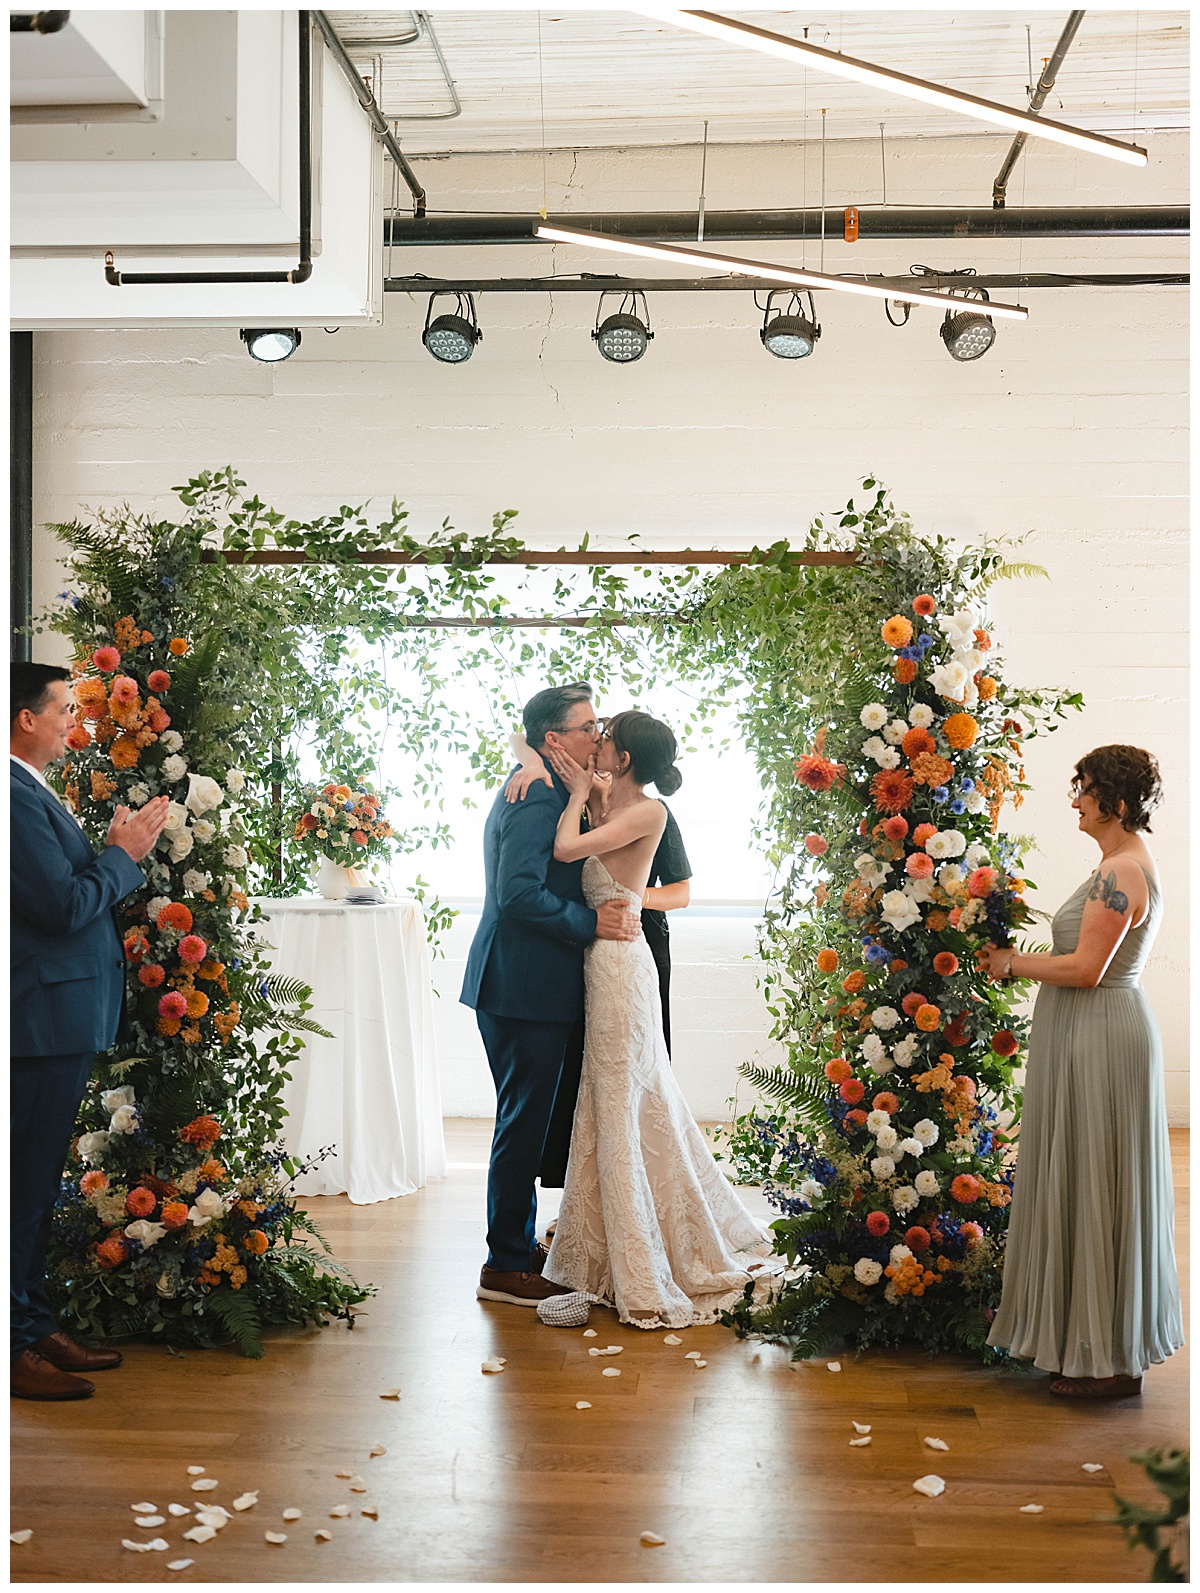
x=648 y=1222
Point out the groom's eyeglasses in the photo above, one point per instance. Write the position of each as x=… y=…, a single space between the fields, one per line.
x=591 y=728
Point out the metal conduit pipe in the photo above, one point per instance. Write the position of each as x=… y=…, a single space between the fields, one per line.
x=666 y=226
x=586 y=283
x=367 y=100
x=1036 y=100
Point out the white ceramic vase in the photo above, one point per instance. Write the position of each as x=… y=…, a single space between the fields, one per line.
x=335 y=879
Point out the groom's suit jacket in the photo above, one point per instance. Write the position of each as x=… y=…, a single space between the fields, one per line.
x=526 y=960
x=67 y=986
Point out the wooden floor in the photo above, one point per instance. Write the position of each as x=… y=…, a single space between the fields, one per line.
x=744 y=1466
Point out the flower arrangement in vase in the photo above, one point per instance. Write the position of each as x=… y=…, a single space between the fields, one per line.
x=340 y=828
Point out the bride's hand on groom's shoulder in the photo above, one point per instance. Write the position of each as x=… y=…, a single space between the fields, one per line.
x=526 y=776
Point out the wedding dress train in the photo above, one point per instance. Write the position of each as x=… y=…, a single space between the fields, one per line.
x=648 y=1222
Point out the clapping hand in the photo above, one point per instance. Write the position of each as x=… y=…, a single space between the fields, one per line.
x=136 y=832
x=576 y=777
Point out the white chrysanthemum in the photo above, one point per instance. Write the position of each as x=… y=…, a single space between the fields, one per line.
x=906 y=1051
x=235 y=782
x=895 y=732
x=881 y=1064
x=904 y=1198
x=885 y=1017
x=811 y=1190
x=926 y=1183
x=194 y=881
x=926 y=1131
x=155 y=906
x=174 y=768
x=949 y=680
x=898 y=1254
x=205 y=831
x=911 y=1147
x=181 y=845
x=874 y=748
x=170 y=741
x=887 y=1139
x=235 y=856
x=138 y=793
x=921 y=716
x=877 y=1119
x=873 y=716
x=976 y=802
x=883 y=1168
x=899 y=911
x=977 y=855
x=950 y=877
x=872 y=1046
x=867 y=1271
x=964 y=1145
x=944 y=844
x=889 y=758
x=890 y=1294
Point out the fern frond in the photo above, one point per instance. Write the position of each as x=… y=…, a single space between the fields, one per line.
x=286 y=991
x=237 y=1314
x=264 y=1015
x=1014 y=570
x=785 y=1085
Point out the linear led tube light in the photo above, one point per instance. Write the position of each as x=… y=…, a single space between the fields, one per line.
x=915 y=88
x=759 y=268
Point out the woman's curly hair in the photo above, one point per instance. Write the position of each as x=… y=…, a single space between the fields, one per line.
x=1121 y=774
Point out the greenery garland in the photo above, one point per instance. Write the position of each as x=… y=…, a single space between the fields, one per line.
x=338 y=656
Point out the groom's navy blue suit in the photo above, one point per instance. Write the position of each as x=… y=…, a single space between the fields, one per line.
x=524 y=978
x=67 y=994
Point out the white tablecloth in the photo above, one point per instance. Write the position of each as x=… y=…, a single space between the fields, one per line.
x=373 y=1090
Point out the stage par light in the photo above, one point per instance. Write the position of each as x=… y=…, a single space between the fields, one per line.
x=451 y=338
x=625 y=336
x=271 y=344
x=790 y=335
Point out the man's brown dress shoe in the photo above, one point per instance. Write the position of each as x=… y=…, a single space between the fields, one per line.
x=68 y=1356
x=33 y=1377
x=515 y=1288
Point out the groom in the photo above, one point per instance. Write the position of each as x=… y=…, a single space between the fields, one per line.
x=524 y=979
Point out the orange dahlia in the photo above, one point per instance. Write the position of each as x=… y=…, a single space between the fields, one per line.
x=966 y=1188
x=152 y=974
x=928 y=1017
x=905 y=671
x=892 y=790
x=853 y=982
x=838 y=1070
x=124 y=752
x=897 y=631
x=78 y=737
x=960 y=731
x=158 y=680
x=827 y=960
x=945 y=963
x=178 y=646
x=111 y=1252
x=816 y=845
x=1005 y=1043
x=175 y=916
x=197 y=1004
x=895 y=828
x=174 y=1214
x=851 y=1091
x=917 y=742
x=256 y=1242
x=982 y=882
x=913 y=1002
x=924 y=605
x=986 y=688
x=106 y=658
x=140 y=1202
x=856 y=1118
x=817 y=773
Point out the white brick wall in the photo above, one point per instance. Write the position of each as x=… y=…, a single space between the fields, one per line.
x=1073 y=426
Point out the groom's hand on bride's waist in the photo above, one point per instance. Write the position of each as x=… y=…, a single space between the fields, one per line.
x=617 y=921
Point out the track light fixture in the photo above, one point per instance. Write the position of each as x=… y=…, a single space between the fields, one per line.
x=969 y=334
x=735 y=31
x=270 y=344
x=791 y=335
x=625 y=336
x=452 y=338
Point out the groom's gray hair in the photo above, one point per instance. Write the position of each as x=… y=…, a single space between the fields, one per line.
x=549 y=709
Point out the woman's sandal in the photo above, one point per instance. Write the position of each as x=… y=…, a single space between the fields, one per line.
x=1120 y=1387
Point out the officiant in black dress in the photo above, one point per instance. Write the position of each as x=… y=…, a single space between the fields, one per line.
x=668 y=889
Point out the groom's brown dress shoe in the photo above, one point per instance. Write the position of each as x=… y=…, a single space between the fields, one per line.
x=515 y=1288
x=34 y=1377
x=68 y=1356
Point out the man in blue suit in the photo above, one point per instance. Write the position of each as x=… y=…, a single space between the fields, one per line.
x=67 y=994
x=524 y=978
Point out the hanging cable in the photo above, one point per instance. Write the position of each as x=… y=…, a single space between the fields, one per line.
x=703 y=178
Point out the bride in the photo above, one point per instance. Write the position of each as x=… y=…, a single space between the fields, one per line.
x=648 y=1223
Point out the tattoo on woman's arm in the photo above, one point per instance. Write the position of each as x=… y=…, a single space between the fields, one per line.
x=1105 y=890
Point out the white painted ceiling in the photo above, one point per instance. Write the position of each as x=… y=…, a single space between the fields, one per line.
x=587 y=78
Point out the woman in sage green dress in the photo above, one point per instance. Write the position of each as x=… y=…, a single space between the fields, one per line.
x=1090 y=1289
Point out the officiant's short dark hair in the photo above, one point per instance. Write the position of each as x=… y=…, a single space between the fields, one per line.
x=548 y=710
x=29 y=686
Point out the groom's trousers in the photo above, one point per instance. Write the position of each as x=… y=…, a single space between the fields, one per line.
x=526 y=1059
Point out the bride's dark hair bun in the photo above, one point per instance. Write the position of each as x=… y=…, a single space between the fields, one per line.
x=651 y=747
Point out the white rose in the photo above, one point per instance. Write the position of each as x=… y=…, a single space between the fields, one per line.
x=970 y=695
x=899 y=911
x=911 y=1147
x=204 y=794
x=959 y=628
x=182 y=845
x=883 y=1168
x=873 y=716
x=949 y=680
x=970 y=659
x=811 y=1190
x=876 y=1120
x=921 y=716
x=166 y=1286
x=872 y=1047
x=867 y=1271
x=155 y=906
x=886 y=1139
x=896 y=731
x=235 y=782
x=918 y=890
x=194 y=882
x=174 y=768
x=235 y=856
x=177 y=817
x=205 y=831
x=870 y=870
x=170 y=741
x=904 y=1198
x=139 y=793
x=926 y=1132
x=898 y=1254
x=146 y=1233
x=111 y=1099
x=881 y=1064
x=926 y=1183
x=93 y=1146
x=885 y=1017
x=207 y=1206
x=977 y=855
x=906 y=1051
x=124 y=1120
x=976 y=802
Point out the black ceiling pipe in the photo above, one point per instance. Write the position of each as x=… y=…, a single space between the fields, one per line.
x=20 y=519
x=38 y=21
x=679 y=226
x=589 y=283
x=302 y=271
x=1037 y=98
